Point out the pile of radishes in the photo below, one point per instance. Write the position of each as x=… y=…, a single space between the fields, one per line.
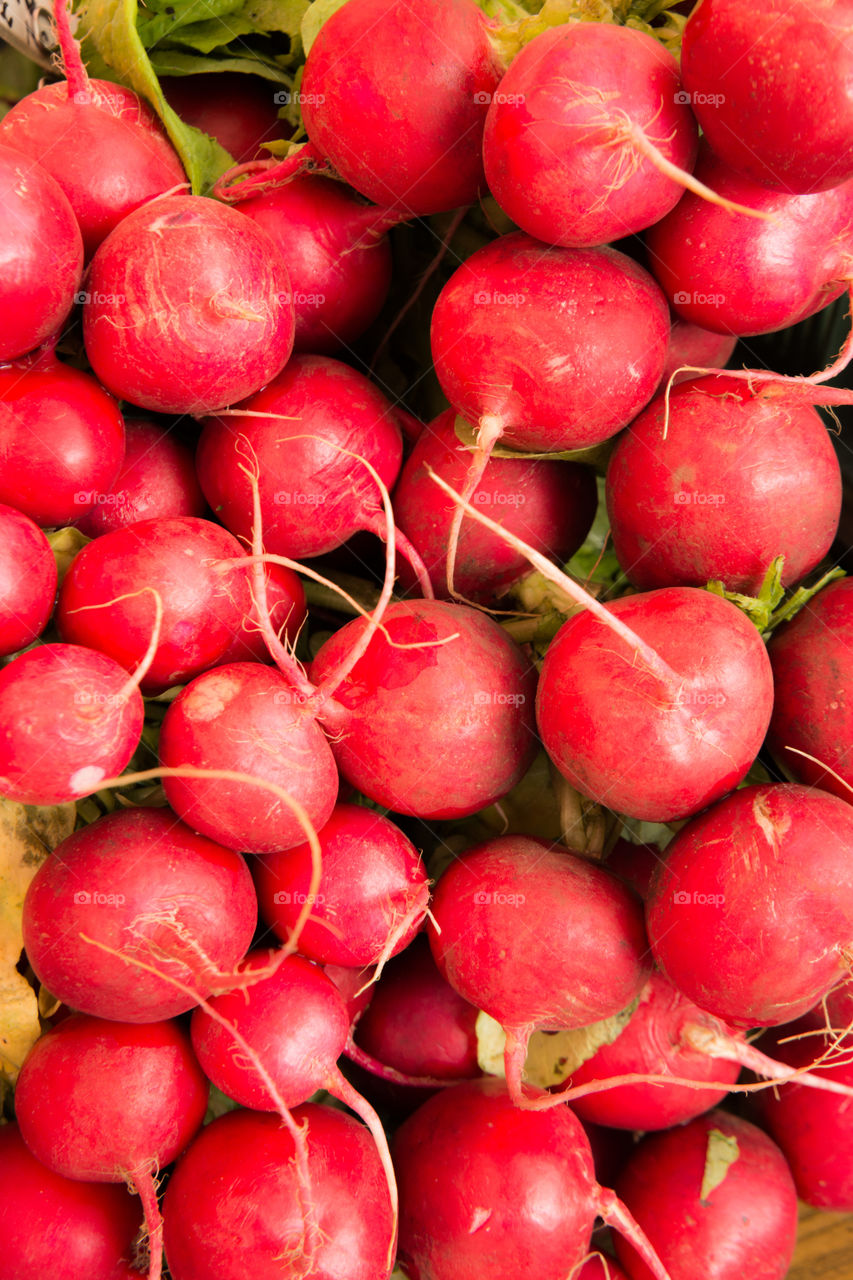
x=449 y=875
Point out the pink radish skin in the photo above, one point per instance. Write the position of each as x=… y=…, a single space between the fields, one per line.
x=101 y=605
x=689 y=344
x=405 y=131
x=486 y=1189
x=313 y=423
x=27 y=580
x=337 y=254
x=157 y=480
x=42 y=255
x=706 y=484
x=810 y=656
x=771 y=89
x=188 y=307
x=355 y=986
x=240 y=111
x=800 y=1119
x=438 y=730
x=287 y=610
x=751 y=916
x=213 y=1199
x=69 y=717
x=559 y=347
x=247 y=718
x=601 y=1267
x=372 y=897
x=62 y=440
x=656 y=745
x=752 y=275
x=745 y=1226
x=142 y=884
x=549 y=504
x=568 y=136
x=54 y=1226
x=634 y=863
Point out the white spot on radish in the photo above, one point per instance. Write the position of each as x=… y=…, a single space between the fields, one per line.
x=772 y=829
x=211 y=699
x=86 y=779
x=479 y=1218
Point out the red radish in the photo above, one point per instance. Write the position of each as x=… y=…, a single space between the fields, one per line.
x=437 y=715
x=662 y=734
x=247 y=718
x=188 y=307
x=801 y=1120
x=62 y=439
x=397 y=100
x=488 y=1190
x=137 y=883
x=549 y=504
x=27 y=580
x=240 y=111
x=304 y=433
x=125 y=1101
x=69 y=717
x=372 y=896
x=589 y=136
x=715 y=1198
x=689 y=344
x=770 y=86
x=752 y=276
x=337 y=254
x=42 y=253
x=538 y=939
x=635 y=863
x=234 y=1207
x=355 y=986
x=157 y=479
x=416 y=1023
x=53 y=1226
x=715 y=492
x=101 y=142
x=601 y=1267
x=810 y=656
x=751 y=916
x=203 y=607
x=287 y=610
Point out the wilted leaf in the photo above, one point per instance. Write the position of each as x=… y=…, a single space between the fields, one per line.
x=552 y=1056
x=65 y=544
x=720 y=1155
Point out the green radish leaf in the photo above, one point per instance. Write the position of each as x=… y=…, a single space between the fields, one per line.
x=770 y=608
x=317 y=13
x=173 y=62
x=596 y=455
x=720 y=1154
x=152 y=27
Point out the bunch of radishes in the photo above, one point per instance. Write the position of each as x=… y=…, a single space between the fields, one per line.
x=519 y=729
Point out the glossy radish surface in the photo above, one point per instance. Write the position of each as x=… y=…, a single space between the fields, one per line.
x=27 y=580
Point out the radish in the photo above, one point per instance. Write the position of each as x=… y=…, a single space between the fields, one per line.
x=337 y=253
x=125 y=1101
x=138 y=883
x=240 y=111
x=372 y=896
x=234 y=1207
x=714 y=493
x=397 y=100
x=689 y=344
x=634 y=863
x=27 y=580
x=770 y=87
x=437 y=711
x=247 y=718
x=69 y=717
x=101 y=142
x=287 y=612
x=810 y=656
x=715 y=1198
x=550 y=504
x=800 y=1119
x=42 y=255
x=486 y=1190
x=751 y=916
x=509 y=911
x=157 y=479
x=600 y=1266
x=752 y=276
x=203 y=607
x=589 y=137
x=188 y=307
x=53 y=1226
x=62 y=439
